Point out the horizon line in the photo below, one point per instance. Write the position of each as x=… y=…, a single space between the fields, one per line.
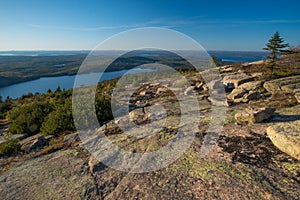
x=4 y=50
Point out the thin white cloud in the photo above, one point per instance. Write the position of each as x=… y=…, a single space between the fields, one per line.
x=97 y=28
x=172 y=23
x=81 y=28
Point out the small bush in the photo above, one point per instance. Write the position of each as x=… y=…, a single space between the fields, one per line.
x=59 y=120
x=4 y=107
x=11 y=146
x=28 y=117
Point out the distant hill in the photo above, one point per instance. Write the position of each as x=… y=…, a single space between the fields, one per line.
x=21 y=66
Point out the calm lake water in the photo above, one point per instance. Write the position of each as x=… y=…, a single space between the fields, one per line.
x=43 y=84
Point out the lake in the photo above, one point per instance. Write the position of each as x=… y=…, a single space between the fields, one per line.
x=43 y=84
x=65 y=82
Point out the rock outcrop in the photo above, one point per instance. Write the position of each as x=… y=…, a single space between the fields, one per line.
x=225 y=69
x=35 y=143
x=71 y=138
x=59 y=175
x=287 y=84
x=243 y=163
x=286 y=137
x=253 y=85
x=246 y=92
x=254 y=115
x=237 y=93
x=251 y=96
x=233 y=80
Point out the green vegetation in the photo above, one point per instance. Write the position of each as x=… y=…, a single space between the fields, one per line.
x=51 y=113
x=28 y=118
x=286 y=65
x=59 y=120
x=4 y=106
x=9 y=147
x=216 y=60
x=276 y=46
x=292 y=167
x=103 y=109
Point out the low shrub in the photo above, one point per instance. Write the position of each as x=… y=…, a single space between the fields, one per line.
x=11 y=146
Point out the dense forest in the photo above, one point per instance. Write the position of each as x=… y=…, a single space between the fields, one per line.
x=50 y=113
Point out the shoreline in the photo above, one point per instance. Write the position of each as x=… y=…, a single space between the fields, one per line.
x=63 y=81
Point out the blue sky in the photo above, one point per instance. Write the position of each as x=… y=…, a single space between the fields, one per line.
x=216 y=25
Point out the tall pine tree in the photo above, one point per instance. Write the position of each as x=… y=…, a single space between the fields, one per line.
x=276 y=46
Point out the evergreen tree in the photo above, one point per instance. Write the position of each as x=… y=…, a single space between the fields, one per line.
x=276 y=46
x=58 y=89
x=216 y=60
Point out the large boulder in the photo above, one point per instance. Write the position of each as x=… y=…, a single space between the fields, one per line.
x=287 y=84
x=286 y=137
x=245 y=93
x=237 y=93
x=252 y=96
x=225 y=69
x=235 y=79
x=253 y=85
x=290 y=88
x=35 y=143
x=254 y=115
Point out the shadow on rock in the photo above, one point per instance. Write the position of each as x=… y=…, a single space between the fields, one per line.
x=277 y=118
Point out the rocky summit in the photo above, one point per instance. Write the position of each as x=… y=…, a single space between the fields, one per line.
x=255 y=156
